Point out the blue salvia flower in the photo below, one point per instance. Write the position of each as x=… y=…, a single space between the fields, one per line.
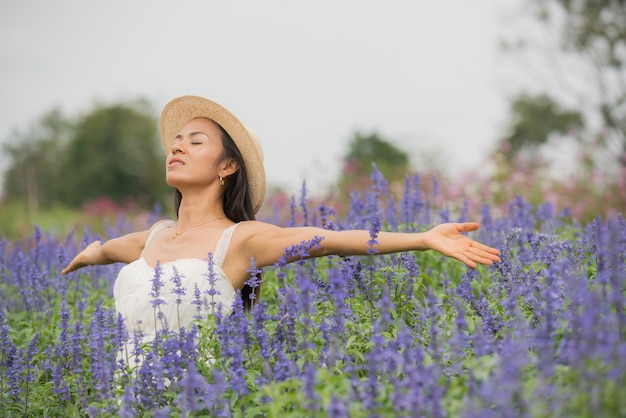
x=61 y=387
x=329 y=350
x=309 y=380
x=483 y=343
x=155 y=293
x=355 y=218
x=325 y=211
x=521 y=213
x=30 y=373
x=162 y=412
x=372 y=205
x=433 y=313
x=286 y=333
x=213 y=278
x=261 y=319
x=63 y=348
x=337 y=408
x=459 y=342
x=444 y=214
x=339 y=294
x=292 y=212
x=409 y=262
x=234 y=341
x=301 y=250
x=501 y=393
x=144 y=382
x=178 y=289
x=304 y=304
x=545 y=215
x=13 y=366
x=379 y=183
x=282 y=366
x=198 y=395
x=171 y=358
x=254 y=280
x=548 y=310
x=158 y=378
x=120 y=338
x=137 y=351
x=303 y=205
x=100 y=369
x=406 y=204
x=464 y=213
x=374 y=230
x=391 y=217
x=197 y=302
x=374 y=358
x=78 y=336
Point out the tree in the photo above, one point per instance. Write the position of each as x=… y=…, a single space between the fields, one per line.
x=534 y=119
x=365 y=150
x=35 y=170
x=116 y=152
x=587 y=63
x=113 y=151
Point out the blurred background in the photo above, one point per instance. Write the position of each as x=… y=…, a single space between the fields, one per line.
x=483 y=100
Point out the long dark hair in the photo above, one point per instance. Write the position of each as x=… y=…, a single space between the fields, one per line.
x=237 y=202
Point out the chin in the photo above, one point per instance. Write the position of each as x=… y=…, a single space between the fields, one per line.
x=172 y=180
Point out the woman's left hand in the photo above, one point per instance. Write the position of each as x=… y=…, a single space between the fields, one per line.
x=448 y=239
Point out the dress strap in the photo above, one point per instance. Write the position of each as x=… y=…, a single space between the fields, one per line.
x=156 y=228
x=222 y=245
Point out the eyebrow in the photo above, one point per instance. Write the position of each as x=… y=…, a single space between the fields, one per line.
x=192 y=134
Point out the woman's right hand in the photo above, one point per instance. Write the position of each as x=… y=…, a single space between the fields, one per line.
x=92 y=254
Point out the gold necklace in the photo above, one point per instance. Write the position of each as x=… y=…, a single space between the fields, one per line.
x=176 y=233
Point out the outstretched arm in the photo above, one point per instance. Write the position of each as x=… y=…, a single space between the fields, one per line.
x=267 y=243
x=124 y=249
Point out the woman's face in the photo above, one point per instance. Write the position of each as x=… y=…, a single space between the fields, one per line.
x=194 y=156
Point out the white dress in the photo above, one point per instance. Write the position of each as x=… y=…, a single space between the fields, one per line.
x=134 y=294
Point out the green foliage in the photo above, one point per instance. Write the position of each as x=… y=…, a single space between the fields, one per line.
x=535 y=119
x=591 y=39
x=35 y=171
x=365 y=150
x=112 y=151
x=116 y=153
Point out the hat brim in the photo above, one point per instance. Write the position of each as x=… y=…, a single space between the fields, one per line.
x=182 y=109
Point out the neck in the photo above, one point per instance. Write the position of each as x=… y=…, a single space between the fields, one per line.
x=195 y=209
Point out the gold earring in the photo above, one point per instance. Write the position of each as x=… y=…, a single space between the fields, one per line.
x=221 y=180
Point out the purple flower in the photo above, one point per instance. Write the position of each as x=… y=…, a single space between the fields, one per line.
x=374 y=230
x=178 y=289
x=337 y=408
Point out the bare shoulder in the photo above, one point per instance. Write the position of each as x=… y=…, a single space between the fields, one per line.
x=252 y=229
x=139 y=238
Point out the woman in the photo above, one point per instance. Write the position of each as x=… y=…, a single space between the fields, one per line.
x=216 y=166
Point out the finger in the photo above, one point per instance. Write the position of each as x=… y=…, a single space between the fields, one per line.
x=484 y=254
x=482 y=260
x=486 y=248
x=69 y=268
x=463 y=258
x=467 y=226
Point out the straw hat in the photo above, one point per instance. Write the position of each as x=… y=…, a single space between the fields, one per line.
x=182 y=109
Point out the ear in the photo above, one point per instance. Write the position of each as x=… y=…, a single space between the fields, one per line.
x=228 y=167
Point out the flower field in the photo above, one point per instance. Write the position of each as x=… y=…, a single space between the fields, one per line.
x=540 y=334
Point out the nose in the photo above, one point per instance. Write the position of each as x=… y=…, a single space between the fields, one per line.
x=176 y=147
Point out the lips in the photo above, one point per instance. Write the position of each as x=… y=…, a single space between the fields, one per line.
x=175 y=161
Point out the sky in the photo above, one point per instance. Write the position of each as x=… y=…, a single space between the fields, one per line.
x=427 y=76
